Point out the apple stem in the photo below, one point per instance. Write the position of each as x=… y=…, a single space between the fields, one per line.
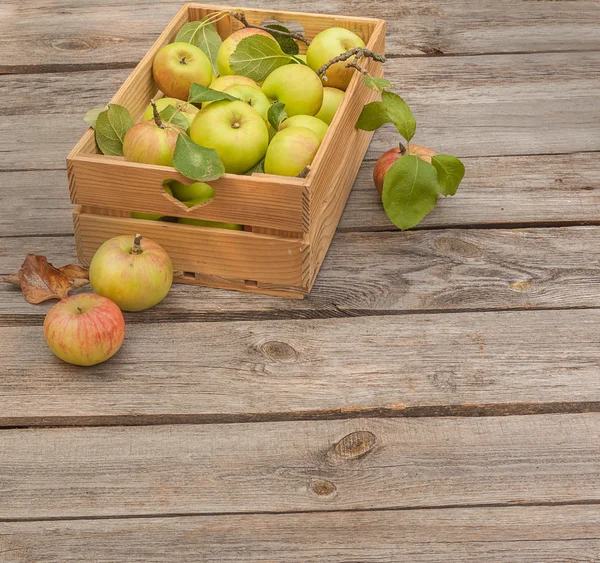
x=402 y=149
x=241 y=17
x=79 y=310
x=358 y=52
x=159 y=122
x=137 y=247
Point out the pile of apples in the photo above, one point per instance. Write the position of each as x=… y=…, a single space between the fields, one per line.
x=239 y=130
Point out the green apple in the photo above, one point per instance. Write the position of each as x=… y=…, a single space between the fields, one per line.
x=229 y=45
x=326 y=46
x=194 y=202
x=332 y=98
x=177 y=66
x=146 y=216
x=307 y=121
x=301 y=57
x=222 y=82
x=297 y=86
x=187 y=192
x=187 y=110
x=253 y=97
x=291 y=151
x=214 y=224
x=233 y=129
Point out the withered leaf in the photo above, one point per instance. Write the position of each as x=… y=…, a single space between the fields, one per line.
x=40 y=281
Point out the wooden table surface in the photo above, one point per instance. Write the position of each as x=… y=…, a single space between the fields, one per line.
x=435 y=398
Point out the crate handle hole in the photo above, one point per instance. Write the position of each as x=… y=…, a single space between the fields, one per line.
x=187 y=196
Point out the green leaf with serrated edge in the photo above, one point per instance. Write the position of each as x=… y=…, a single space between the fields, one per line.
x=203 y=35
x=91 y=116
x=196 y=162
x=276 y=115
x=257 y=56
x=258 y=168
x=175 y=117
x=287 y=44
x=377 y=83
x=111 y=127
x=450 y=172
x=372 y=117
x=400 y=114
x=199 y=94
x=410 y=191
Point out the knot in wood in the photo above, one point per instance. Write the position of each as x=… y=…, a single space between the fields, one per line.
x=72 y=45
x=279 y=351
x=355 y=445
x=322 y=488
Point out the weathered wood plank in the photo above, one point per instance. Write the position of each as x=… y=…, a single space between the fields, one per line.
x=497 y=190
x=468 y=106
x=386 y=272
x=468 y=363
x=529 y=534
x=76 y=34
x=314 y=466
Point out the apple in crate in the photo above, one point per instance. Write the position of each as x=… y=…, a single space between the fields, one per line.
x=84 y=329
x=332 y=98
x=177 y=66
x=133 y=272
x=297 y=86
x=229 y=45
x=186 y=109
x=291 y=151
x=308 y=121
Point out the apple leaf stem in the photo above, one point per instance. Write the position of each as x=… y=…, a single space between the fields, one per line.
x=137 y=247
x=159 y=122
x=241 y=17
x=358 y=52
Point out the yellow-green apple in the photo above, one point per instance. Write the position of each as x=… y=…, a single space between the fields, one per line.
x=308 y=121
x=301 y=57
x=151 y=142
x=177 y=66
x=133 y=272
x=326 y=46
x=297 y=86
x=84 y=329
x=233 y=129
x=332 y=98
x=389 y=157
x=187 y=192
x=222 y=82
x=229 y=45
x=212 y=224
x=146 y=216
x=253 y=97
x=186 y=109
x=291 y=151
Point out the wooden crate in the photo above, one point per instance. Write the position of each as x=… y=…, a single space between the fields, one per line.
x=289 y=221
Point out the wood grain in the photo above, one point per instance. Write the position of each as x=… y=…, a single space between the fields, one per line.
x=532 y=534
x=316 y=466
x=75 y=35
x=427 y=364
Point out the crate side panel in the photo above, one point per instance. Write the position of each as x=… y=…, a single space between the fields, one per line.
x=214 y=252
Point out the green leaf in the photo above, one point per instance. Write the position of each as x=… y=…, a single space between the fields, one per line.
x=199 y=94
x=91 y=116
x=257 y=56
x=297 y=60
x=111 y=127
x=377 y=83
x=450 y=172
x=258 y=168
x=410 y=191
x=287 y=44
x=372 y=117
x=276 y=115
x=175 y=117
x=400 y=114
x=203 y=35
x=196 y=162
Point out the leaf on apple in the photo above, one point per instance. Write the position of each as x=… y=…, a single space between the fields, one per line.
x=276 y=115
x=377 y=83
x=91 y=116
x=297 y=60
x=111 y=127
x=257 y=56
x=199 y=94
x=391 y=109
x=258 y=168
x=450 y=172
x=175 y=117
x=40 y=281
x=196 y=162
x=287 y=44
x=410 y=191
x=203 y=35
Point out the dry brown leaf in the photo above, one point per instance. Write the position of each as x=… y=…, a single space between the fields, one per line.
x=40 y=281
